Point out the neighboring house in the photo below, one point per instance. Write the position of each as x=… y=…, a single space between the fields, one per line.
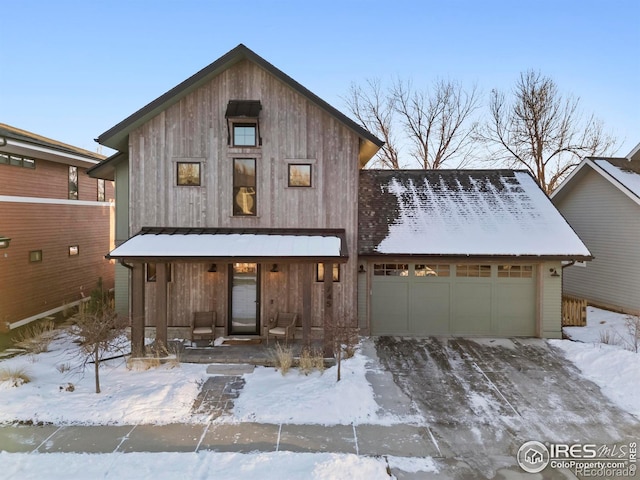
x=239 y=190
x=462 y=252
x=601 y=201
x=55 y=226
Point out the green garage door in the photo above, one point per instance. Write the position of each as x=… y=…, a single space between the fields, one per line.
x=447 y=299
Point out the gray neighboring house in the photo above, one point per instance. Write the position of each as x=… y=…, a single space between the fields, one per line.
x=460 y=252
x=601 y=201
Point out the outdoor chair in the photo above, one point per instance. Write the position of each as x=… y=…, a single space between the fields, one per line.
x=203 y=325
x=283 y=325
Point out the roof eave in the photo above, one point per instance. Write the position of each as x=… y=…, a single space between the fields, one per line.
x=107 y=168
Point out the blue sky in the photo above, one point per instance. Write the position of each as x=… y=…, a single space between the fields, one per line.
x=72 y=69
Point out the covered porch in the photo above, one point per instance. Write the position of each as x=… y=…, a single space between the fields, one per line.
x=242 y=277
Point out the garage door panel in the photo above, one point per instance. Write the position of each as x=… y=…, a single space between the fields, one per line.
x=429 y=308
x=390 y=312
x=472 y=308
x=515 y=309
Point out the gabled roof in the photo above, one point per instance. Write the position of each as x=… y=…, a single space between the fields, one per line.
x=117 y=136
x=23 y=142
x=622 y=173
x=482 y=213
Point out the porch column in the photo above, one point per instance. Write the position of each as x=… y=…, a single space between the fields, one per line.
x=137 y=310
x=328 y=310
x=307 y=280
x=161 y=308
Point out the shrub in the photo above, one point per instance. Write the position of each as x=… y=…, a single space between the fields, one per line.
x=63 y=367
x=283 y=358
x=36 y=337
x=15 y=376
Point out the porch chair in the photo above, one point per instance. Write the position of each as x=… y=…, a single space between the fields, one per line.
x=203 y=324
x=283 y=325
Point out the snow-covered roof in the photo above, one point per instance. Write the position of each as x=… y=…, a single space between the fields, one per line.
x=461 y=213
x=626 y=173
x=218 y=243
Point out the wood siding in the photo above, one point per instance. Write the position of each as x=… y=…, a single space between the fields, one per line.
x=608 y=222
x=293 y=130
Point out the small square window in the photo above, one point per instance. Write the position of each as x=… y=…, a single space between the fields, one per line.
x=244 y=135
x=320 y=272
x=74 y=250
x=35 y=256
x=4 y=158
x=189 y=174
x=299 y=175
x=28 y=163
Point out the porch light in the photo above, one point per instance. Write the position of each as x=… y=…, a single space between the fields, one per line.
x=4 y=242
x=213 y=268
x=274 y=269
x=361 y=269
x=554 y=272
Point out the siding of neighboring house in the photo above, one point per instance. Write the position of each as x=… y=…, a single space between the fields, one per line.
x=609 y=224
x=121 y=289
x=293 y=130
x=36 y=214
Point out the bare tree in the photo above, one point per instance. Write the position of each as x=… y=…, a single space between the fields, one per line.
x=542 y=131
x=438 y=123
x=375 y=110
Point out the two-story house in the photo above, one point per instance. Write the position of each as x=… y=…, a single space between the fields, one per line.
x=55 y=226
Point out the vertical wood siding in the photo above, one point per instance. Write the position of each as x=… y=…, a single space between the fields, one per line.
x=292 y=129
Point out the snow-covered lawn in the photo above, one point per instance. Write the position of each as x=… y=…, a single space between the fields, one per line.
x=611 y=365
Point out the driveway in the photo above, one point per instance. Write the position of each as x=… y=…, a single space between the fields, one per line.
x=483 y=398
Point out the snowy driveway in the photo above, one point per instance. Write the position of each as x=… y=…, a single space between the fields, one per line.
x=483 y=398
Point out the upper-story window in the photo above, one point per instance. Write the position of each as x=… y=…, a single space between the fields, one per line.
x=188 y=174
x=101 y=196
x=73 y=182
x=299 y=175
x=244 y=187
x=243 y=123
x=17 y=160
x=244 y=134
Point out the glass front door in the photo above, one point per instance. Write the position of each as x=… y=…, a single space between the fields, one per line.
x=244 y=279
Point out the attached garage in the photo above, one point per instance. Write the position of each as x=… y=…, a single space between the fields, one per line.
x=455 y=252
x=417 y=299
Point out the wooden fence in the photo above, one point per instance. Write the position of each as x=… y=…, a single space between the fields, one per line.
x=574 y=311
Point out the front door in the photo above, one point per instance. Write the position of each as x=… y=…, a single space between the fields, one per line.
x=244 y=306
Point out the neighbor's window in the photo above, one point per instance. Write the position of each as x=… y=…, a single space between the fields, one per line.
x=244 y=135
x=320 y=272
x=433 y=270
x=244 y=186
x=151 y=272
x=73 y=182
x=473 y=270
x=17 y=161
x=391 y=269
x=101 y=197
x=515 y=271
x=189 y=174
x=299 y=175
x=35 y=256
x=74 y=250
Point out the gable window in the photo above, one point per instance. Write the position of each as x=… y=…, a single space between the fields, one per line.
x=299 y=175
x=391 y=270
x=101 y=197
x=188 y=174
x=244 y=134
x=243 y=123
x=433 y=270
x=320 y=272
x=74 y=250
x=473 y=270
x=515 y=271
x=35 y=256
x=151 y=272
x=244 y=187
x=73 y=182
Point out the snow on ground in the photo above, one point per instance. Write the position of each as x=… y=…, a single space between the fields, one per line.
x=611 y=365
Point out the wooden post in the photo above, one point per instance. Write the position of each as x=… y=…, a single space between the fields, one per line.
x=161 y=308
x=137 y=310
x=328 y=310
x=307 y=280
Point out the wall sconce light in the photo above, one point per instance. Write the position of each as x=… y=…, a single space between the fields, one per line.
x=213 y=268
x=4 y=242
x=361 y=269
x=554 y=272
x=274 y=269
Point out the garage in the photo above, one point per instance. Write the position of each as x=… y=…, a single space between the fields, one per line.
x=418 y=299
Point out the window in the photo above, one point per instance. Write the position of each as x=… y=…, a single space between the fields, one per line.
x=299 y=175
x=473 y=270
x=391 y=269
x=101 y=191
x=17 y=161
x=434 y=270
x=74 y=250
x=320 y=272
x=188 y=174
x=35 y=256
x=244 y=135
x=244 y=186
x=515 y=271
x=151 y=272
x=73 y=182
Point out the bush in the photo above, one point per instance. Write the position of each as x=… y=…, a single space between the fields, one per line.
x=36 y=337
x=283 y=358
x=15 y=376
